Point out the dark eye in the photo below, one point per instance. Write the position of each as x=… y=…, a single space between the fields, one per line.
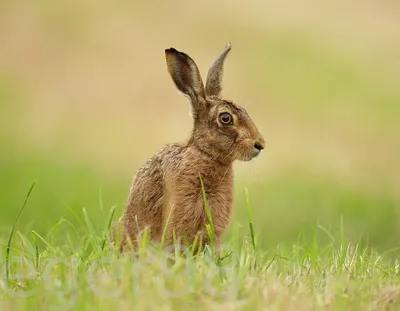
x=225 y=118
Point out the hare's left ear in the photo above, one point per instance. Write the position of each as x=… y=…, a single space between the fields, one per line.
x=186 y=76
x=214 y=77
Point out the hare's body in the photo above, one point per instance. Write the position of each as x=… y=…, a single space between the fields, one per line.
x=166 y=194
x=170 y=180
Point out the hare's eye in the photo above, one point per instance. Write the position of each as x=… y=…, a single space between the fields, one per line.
x=225 y=118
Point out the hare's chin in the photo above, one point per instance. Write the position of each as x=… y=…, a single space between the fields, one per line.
x=249 y=155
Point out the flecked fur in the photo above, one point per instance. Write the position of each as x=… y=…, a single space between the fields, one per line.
x=169 y=182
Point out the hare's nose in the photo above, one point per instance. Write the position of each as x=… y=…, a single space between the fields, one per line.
x=259 y=146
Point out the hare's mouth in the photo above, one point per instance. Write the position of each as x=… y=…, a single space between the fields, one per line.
x=255 y=152
x=249 y=155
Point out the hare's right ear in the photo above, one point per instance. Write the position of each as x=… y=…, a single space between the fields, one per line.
x=186 y=76
x=214 y=77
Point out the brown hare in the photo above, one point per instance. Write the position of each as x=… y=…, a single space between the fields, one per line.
x=168 y=186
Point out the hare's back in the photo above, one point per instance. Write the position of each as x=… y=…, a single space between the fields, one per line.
x=147 y=193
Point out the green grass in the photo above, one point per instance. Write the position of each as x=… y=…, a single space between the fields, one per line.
x=83 y=273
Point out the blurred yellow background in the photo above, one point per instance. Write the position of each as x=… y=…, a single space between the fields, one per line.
x=85 y=99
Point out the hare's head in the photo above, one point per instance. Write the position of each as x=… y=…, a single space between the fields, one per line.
x=222 y=128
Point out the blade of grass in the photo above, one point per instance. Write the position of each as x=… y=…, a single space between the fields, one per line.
x=36 y=251
x=210 y=227
x=250 y=216
x=194 y=245
x=53 y=230
x=144 y=239
x=17 y=250
x=13 y=229
x=109 y=222
x=91 y=231
x=44 y=241
x=166 y=227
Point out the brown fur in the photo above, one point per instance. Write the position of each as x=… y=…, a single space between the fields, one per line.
x=169 y=183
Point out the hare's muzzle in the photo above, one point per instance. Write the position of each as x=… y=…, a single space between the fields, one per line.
x=258 y=146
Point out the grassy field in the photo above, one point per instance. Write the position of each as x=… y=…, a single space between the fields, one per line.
x=85 y=99
x=84 y=273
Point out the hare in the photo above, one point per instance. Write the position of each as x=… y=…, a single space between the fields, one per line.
x=168 y=186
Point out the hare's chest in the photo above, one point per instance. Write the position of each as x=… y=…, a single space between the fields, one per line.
x=184 y=197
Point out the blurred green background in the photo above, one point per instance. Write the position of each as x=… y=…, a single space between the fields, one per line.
x=85 y=99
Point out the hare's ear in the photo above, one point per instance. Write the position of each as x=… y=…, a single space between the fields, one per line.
x=214 y=77
x=186 y=76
